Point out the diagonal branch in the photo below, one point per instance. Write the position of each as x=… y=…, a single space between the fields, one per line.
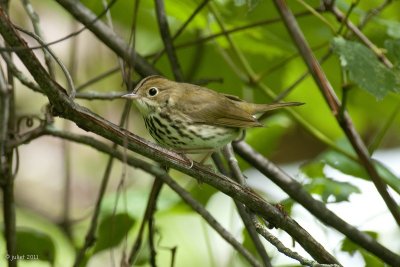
x=244 y=214
x=281 y=247
x=297 y=192
x=327 y=91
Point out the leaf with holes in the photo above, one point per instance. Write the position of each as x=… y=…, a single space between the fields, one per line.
x=349 y=166
x=364 y=68
x=327 y=188
x=324 y=186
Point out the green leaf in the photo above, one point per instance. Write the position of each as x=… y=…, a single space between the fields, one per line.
x=353 y=168
x=344 y=164
x=393 y=50
x=112 y=230
x=287 y=205
x=351 y=248
x=325 y=186
x=34 y=245
x=364 y=68
x=314 y=169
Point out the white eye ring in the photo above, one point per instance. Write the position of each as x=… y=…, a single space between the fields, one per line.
x=153 y=91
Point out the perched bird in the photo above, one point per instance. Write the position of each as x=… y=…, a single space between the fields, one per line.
x=194 y=119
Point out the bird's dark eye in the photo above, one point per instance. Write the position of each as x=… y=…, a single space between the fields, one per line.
x=153 y=91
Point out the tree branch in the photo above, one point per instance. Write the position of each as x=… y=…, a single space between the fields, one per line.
x=245 y=214
x=7 y=134
x=279 y=245
x=7 y=121
x=181 y=29
x=150 y=209
x=167 y=40
x=297 y=192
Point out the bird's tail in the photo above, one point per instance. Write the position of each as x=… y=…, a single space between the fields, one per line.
x=260 y=108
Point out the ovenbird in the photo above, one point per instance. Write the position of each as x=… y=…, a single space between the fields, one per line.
x=191 y=118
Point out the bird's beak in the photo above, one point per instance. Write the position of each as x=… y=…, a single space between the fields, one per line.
x=131 y=96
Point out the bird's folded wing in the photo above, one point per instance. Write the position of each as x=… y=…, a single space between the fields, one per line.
x=216 y=110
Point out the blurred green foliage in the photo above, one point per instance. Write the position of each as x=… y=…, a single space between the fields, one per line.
x=351 y=248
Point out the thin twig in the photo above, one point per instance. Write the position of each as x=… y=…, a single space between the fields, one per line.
x=19 y=74
x=150 y=209
x=344 y=121
x=234 y=30
x=373 y=12
x=281 y=247
x=92 y=95
x=167 y=40
x=66 y=198
x=245 y=66
x=97 y=78
x=37 y=29
x=127 y=66
x=151 y=226
x=346 y=17
x=181 y=29
x=285 y=61
x=245 y=214
x=385 y=127
x=70 y=82
x=290 y=88
x=317 y=15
